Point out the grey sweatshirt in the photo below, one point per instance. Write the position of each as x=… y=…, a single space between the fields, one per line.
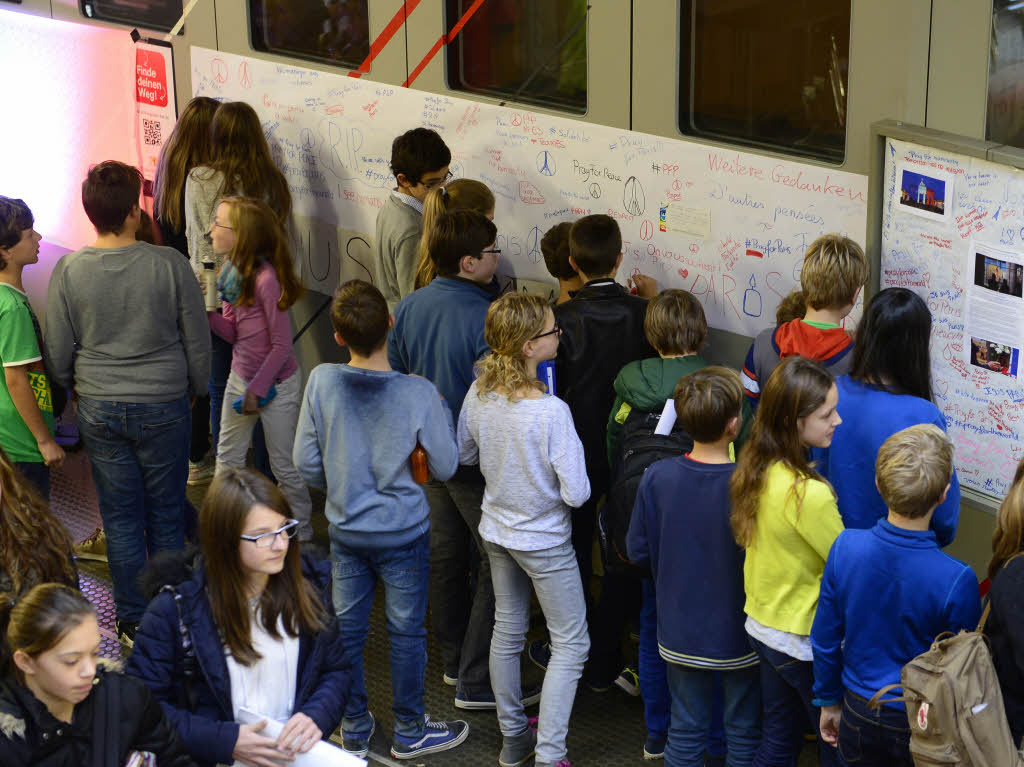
x=138 y=318
x=532 y=462
x=396 y=249
x=203 y=191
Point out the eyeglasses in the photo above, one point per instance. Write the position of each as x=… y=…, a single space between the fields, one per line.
x=495 y=251
x=553 y=330
x=221 y=226
x=438 y=181
x=266 y=540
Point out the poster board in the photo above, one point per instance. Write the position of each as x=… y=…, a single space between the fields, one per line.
x=730 y=227
x=952 y=230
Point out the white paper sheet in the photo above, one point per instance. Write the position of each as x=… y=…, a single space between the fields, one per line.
x=323 y=754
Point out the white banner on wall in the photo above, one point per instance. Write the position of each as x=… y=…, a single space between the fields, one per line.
x=731 y=227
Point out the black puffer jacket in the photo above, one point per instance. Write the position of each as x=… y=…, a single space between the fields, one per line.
x=1005 y=630
x=119 y=716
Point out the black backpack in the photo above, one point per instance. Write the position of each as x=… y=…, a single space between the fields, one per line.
x=639 y=447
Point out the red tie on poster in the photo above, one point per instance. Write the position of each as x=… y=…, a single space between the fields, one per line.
x=155 y=103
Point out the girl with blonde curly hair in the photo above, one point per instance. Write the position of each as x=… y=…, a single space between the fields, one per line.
x=532 y=462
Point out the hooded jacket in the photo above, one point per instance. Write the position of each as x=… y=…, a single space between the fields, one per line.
x=119 y=716
x=832 y=347
x=206 y=722
x=644 y=385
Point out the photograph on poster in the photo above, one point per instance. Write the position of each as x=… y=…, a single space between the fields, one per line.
x=998 y=275
x=999 y=358
x=925 y=194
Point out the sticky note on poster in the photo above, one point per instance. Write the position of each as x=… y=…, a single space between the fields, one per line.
x=682 y=219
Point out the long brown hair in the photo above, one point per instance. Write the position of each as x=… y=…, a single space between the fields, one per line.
x=38 y=621
x=288 y=595
x=512 y=320
x=259 y=237
x=795 y=389
x=34 y=545
x=1008 y=537
x=242 y=154
x=460 y=194
x=187 y=147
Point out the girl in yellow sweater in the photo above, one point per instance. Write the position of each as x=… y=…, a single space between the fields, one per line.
x=785 y=515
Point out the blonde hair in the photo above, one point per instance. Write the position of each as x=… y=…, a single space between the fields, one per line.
x=675 y=322
x=1008 y=537
x=834 y=270
x=512 y=320
x=913 y=468
x=459 y=194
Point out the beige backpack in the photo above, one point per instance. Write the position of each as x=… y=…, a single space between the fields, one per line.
x=954 y=704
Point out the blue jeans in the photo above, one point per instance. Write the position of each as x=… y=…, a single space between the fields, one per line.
x=405 y=572
x=787 y=710
x=555 y=575
x=654 y=683
x=139 y=457
x=879 y=737
x=651 y=668
x=693 y=694
x=38 y=473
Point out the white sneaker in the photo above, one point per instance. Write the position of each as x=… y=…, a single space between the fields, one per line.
x=201 y=471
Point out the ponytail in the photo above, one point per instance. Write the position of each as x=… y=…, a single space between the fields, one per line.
x=460 y=194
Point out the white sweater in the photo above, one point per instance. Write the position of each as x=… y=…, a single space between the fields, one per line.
x=532 y=461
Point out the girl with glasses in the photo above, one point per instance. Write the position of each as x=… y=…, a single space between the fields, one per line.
x=257 y=286
x=532 y=462
x=247 y=624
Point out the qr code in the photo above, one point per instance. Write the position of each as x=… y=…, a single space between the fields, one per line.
x=151 y=132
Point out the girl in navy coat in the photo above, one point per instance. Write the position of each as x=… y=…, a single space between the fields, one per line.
x=252 y=626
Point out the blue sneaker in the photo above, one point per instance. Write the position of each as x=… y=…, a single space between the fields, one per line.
x=437 y=736
x=358 y=743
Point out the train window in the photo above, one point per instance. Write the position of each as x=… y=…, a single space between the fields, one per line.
x=766 y=73
x=521 y=50
x=1005 y=122
x=336 y=31
x=148 y=14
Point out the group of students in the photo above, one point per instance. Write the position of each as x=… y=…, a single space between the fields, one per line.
x=793 y=553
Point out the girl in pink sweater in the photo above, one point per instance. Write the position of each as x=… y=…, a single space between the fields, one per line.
x=257 y=286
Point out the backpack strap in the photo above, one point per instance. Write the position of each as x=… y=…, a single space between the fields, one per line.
x=988 y=597
x=876 y=699
x=189 y=663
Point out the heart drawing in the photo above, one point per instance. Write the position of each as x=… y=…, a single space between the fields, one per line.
x=684 y=273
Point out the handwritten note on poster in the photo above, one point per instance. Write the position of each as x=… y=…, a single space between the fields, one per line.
x=953 y=232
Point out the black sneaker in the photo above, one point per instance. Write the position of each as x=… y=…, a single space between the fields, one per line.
x=484 y=699
x=358 y=743
x=437 y=736
x=540 y=654
x=125 y=631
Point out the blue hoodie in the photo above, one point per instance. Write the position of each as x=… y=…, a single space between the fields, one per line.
x=870 y=416
x=357 y=429
x=885 y=595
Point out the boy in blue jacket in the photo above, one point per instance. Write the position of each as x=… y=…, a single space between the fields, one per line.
x=697 y=570
x=886 y=593
x=358 y=426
